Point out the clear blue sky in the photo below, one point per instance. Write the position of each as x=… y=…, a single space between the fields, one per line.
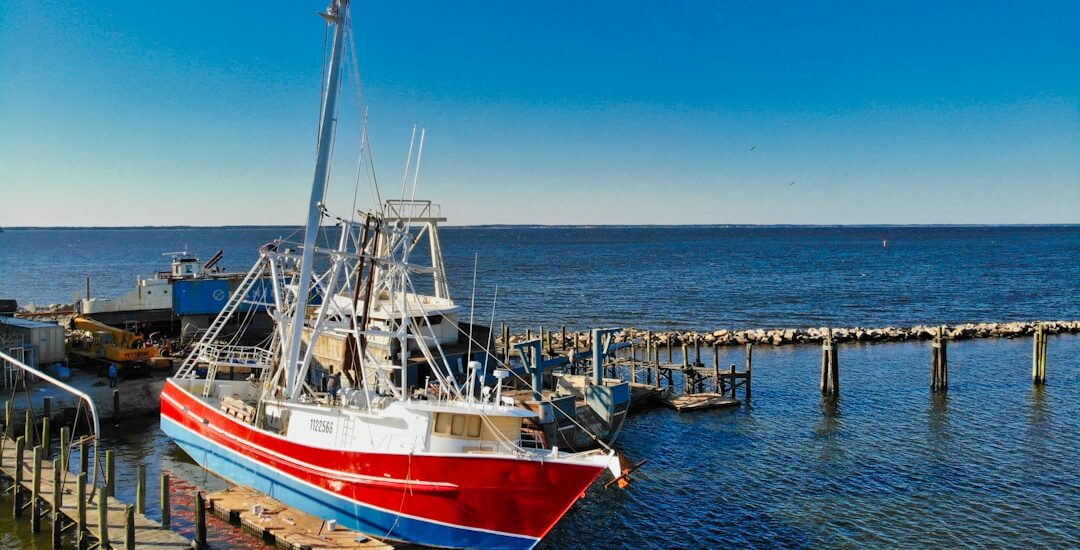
x=204 y=113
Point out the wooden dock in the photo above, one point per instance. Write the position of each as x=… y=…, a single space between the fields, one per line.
x=283 y=526
x=700 y=401
x=147 y=533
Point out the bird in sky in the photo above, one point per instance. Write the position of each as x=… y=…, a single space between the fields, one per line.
x=754 y=147
x=790 y=184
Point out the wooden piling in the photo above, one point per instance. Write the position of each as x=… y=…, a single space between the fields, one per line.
x=9 y=419
x=45 y=435
x=200 y=521
x=116 y=403
x=28 y=428
x=506 y=344
x=35 y=492
x=830 y=368
x=80 y=512
x=129 y=527
x=65 y=448
x=103 y=518
x=20 y=447
x=562 y=337
x=166 y=513
x=939 y=362
x=749 y=367
x=140 y=489
x=110 y=473
x=57 y=504
x=46 y=407
x=1038 y=356
x=84 y=456
x=656 y=366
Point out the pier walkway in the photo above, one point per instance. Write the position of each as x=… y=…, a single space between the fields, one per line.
x=148 y=533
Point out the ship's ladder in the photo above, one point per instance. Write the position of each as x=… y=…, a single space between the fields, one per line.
x=197 y=354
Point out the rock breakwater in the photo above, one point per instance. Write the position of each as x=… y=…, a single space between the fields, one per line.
x=789 y=336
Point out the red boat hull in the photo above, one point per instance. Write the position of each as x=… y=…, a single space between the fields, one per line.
x=436 y=500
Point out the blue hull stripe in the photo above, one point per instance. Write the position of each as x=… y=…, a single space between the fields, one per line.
x=323 y=504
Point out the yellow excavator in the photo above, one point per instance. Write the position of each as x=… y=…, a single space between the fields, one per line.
x=98 y=340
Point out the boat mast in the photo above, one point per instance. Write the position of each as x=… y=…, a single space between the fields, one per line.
x=335 y=15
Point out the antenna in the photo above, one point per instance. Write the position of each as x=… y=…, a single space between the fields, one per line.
x=416 y=175
x=472 y=304
x=408 y=162
x=491 y=329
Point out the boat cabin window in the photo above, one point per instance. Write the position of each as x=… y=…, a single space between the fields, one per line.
x=460 y=425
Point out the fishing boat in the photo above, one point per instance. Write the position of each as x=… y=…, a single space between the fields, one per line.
x=415 y=443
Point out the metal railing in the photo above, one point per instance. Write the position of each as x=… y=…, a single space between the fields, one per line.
x=412 y=209
x=241 y=356
x=11 y=361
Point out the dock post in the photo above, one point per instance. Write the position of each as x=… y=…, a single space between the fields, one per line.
x=103 y=518
x=16 y=490
x=84 y=456
x=46 y=406
x=717 y=381
x=35 y=493
x=166 y=516
x=110 y=473
x=731 y=374
x=116 y=403
x=65 y=449
x=80 y=513
x=939 y=363
x=697 y=352
x=749 y=366
x=140 y=489
x=688 y=385
x=1038 y=356
x=45 y=435
x=57 y=503
x=506 y=344
x=28 y=428
x=830 y=368
x=129 y=527
x=200 y=520
x=656 y=366
x=716 y=369
x=9 y=419
x=562 y=337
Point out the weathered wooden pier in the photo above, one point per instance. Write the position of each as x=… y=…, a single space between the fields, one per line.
x=282 y=526
x=654 y=378
x=71 y=502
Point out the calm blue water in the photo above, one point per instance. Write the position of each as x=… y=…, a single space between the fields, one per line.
x=657 y=277
x=992 y=464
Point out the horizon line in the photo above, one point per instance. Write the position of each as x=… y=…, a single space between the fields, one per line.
x=555 y=226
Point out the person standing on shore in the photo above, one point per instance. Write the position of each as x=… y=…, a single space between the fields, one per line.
x=112 y=375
